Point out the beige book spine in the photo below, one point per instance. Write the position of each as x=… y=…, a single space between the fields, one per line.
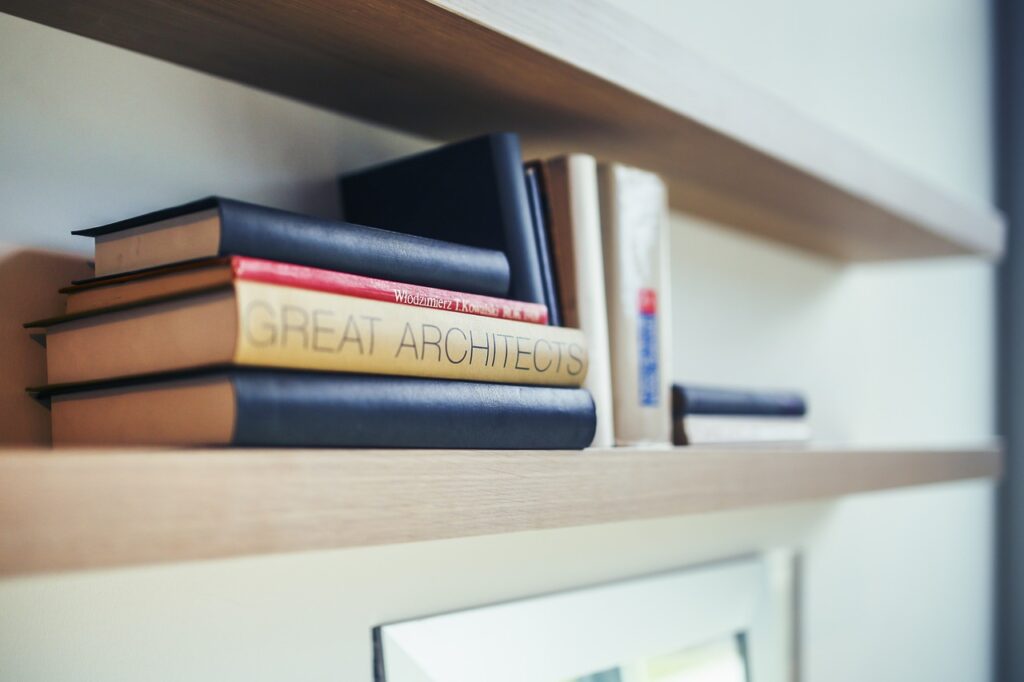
x=576 y=240
x=711 y=429
x=634 y=220
x=287 y=327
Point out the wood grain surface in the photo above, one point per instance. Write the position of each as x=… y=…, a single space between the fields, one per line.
x=29 y=279
x=574 y=75
x=67 y=509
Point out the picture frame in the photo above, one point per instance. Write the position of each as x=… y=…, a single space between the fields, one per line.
x=604 y=632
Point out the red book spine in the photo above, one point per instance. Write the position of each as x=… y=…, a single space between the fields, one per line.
x=302 y=277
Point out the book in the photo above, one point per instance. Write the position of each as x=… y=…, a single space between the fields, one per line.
x=260 y=408
x=735 y=429
x=634 y=217
x=539 y=215
x=471 y=192
x=113 y=290
x=223 y=227
x=259 y=324
x=574 y=227
x=689 y=400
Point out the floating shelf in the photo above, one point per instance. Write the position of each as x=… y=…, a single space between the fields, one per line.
x=576 y=75
x=71 y=509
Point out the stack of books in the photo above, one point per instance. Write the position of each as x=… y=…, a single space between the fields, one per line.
x=703 y=415
x=588 y=240
x=222 y=322
x=493 y=304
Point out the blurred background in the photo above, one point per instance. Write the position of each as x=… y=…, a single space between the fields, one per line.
x=895 y=586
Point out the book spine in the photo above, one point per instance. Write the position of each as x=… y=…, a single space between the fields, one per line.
x=260 y=232
x=575 y=229
x=520 y=245
x=287 y=274
x=325 y=410
x=539 y=216
x=302 y=329
x=635 y=234
x=687 y=400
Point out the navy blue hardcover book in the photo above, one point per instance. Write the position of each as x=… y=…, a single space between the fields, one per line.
x=283 y=408
x=538 y=212
x=471 y=192
x=216 y=226
x=687 y=400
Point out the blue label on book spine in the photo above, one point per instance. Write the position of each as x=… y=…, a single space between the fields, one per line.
x=648 y=355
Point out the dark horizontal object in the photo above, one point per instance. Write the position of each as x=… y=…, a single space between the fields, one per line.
x=401 y=412
x=726 y=401
x=470 y=192
x=277 y=408
x=262 y=232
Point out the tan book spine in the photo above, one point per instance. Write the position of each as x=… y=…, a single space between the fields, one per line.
x=634 y=219
x=288 y=327
x=575 y=230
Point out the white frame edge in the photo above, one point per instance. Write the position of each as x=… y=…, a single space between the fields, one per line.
x=573 y=633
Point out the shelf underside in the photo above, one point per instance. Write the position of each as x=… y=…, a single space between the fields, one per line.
x=577 y=75
x=71 y=509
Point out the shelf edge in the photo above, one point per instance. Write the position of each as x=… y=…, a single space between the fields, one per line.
x=73 y=510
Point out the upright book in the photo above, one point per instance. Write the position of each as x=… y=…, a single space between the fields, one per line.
x=268 y=325
x=540 y=213
x=471 y=192
x=262 y=408
x=224 y=227
x=574 y=222
x=634 y=217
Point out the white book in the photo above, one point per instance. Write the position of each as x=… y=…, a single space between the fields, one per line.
x=713 y=429
x=570 y=183
x=634 y=226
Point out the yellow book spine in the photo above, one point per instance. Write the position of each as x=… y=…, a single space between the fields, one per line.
x=287 y=327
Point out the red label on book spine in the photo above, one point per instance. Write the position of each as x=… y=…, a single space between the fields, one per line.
x=648 y=302
x=302 y=277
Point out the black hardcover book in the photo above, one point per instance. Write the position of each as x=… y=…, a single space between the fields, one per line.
x=224 y=227
x=280 y=408
x=471 y=192
x=689 y=400
x=538 y=213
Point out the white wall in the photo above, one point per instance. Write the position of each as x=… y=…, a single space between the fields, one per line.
x=91 y=133
x=897 y=584
x=910 y=79
x=898 y=587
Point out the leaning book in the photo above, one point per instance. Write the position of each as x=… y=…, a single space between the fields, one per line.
x=574 y=223
x=216 y=226
x=634 y=219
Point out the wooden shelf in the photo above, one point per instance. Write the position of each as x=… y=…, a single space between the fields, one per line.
x=573 y=75
x=70 y=509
